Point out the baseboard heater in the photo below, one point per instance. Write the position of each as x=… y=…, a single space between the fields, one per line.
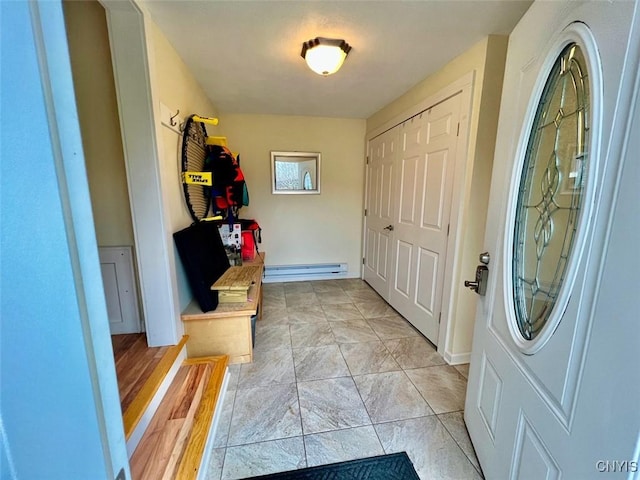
x=294 y=273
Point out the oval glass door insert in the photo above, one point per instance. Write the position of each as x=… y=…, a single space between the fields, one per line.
x=551 y=191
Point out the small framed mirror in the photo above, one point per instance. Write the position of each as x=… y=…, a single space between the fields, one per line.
x=295 y=173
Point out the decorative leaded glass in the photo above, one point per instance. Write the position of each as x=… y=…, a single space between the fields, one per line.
x=551 y=192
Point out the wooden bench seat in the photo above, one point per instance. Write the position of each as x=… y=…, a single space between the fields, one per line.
x=227 y=329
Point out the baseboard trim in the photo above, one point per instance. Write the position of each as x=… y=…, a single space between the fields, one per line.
x=457 y=358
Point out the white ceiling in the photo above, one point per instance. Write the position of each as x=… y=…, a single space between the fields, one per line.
x=246 y=54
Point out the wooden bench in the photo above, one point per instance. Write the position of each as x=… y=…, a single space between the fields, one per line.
x=227 y=329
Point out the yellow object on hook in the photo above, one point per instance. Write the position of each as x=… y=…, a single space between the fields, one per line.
x=221 y=141
x=208 y=120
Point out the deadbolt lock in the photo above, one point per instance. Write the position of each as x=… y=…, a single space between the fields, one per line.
x=480 y=284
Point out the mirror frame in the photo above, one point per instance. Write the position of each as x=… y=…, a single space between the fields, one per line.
x=303 y=156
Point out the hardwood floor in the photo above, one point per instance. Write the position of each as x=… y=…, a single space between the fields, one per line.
x=173 y=445
x=135 y=362
x=176 y=437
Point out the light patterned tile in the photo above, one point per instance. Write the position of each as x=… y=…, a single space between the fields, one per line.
x=341 y=312
x=315 y=363
x=364 y=295
x=331 y=404
x=275 y=316
x=301 y=299
x=433 y=452
x=234 y=376
x=297 y=287
x=454 y=423
x=442 y=387
x=374 y=308
x=265 y=413
x=353 y=284
x=368 y=357
x=333 y=297
x=463 y=369
x=306 y=314
x=214 y=468
x=269 y=336
x=263 y=427
x=391 y=396
x=353 y=331
x=392 y=326
x=269 y=367
x=270 y=304
x=326 y=286
x=414 y=352
x=264 y=458
x=342 y=445
x=311 y=335
x=224 y=421
x=272 y=288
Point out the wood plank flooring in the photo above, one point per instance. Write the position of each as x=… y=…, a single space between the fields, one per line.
x=135 y=362
x=174 y=442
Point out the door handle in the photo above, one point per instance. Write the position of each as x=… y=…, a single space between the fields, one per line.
x=480 y=284
x=389 y=227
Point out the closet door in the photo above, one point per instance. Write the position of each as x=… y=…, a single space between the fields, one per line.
x=425 y=167
x=379 y=211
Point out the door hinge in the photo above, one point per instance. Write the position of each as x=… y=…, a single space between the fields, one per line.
x=448 y=228
x=458 y=132
x=365 y=212
x=367 y=159
x=363 y=261
x=439 y=318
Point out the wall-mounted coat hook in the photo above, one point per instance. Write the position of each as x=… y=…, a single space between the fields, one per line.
x=172 y=121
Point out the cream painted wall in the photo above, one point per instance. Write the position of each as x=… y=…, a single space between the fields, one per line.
x=98 y=114
x=477 y=200
x=486 y=59
x=174 y=85
x=304 y=228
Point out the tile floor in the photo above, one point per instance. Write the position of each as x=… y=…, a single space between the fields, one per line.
x=339 y=375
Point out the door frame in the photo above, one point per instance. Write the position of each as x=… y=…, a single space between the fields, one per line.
x=461 y=182
x=49 y=34
x=131 y=53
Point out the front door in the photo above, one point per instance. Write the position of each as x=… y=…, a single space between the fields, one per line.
x=532 y=410
x=425 y=182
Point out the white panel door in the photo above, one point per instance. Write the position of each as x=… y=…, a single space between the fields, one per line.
x=424 y=183
x=380 y=204
x=540 y=406
x=118 y=279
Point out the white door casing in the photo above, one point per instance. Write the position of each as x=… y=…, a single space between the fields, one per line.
x=524 y=407
x=380 y=205
x=424 y=179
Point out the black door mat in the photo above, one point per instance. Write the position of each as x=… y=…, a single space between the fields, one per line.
x=395 y=466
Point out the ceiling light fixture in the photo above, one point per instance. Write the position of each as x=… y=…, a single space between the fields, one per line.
x=325 y=55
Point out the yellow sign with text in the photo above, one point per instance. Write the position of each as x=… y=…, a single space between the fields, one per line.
x=197 y=178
